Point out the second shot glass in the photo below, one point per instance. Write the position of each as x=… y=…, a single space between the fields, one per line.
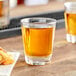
x=70 y=21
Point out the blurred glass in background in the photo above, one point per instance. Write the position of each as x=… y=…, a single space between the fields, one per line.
x=4 y=13
x=36 y=2
x=13 y=3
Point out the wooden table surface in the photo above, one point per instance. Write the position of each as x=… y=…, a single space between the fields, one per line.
x=63 y=61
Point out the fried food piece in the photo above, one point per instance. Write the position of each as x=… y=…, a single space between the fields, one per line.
x=5 y=58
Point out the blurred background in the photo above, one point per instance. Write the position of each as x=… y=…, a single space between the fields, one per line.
x=12 y=11
x=31 y=7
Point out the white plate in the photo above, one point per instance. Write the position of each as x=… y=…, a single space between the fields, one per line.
x=5 y=70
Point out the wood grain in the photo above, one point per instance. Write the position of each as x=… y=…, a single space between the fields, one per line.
x=63 y=61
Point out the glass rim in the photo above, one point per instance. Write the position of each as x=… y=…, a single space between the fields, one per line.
x=69 y=4
x=26 y=20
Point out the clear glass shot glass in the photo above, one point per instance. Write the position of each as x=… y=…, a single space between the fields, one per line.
x=70 y=21
x=38 y=36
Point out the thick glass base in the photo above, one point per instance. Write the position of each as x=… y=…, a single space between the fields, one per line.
x=33 y=60
x=71 y=38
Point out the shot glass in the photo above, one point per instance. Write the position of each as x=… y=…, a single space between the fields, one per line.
x=38 y=37
x=70 y=21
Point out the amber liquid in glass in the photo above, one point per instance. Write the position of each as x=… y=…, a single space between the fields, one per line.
x=1 y=8
x=38 y=41
x=70 y=20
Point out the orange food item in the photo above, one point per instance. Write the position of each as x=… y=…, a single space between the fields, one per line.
x=5 y=58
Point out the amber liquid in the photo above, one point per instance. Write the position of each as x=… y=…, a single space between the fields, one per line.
x=38 y=41
x=1 y=8
x=70 y=20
